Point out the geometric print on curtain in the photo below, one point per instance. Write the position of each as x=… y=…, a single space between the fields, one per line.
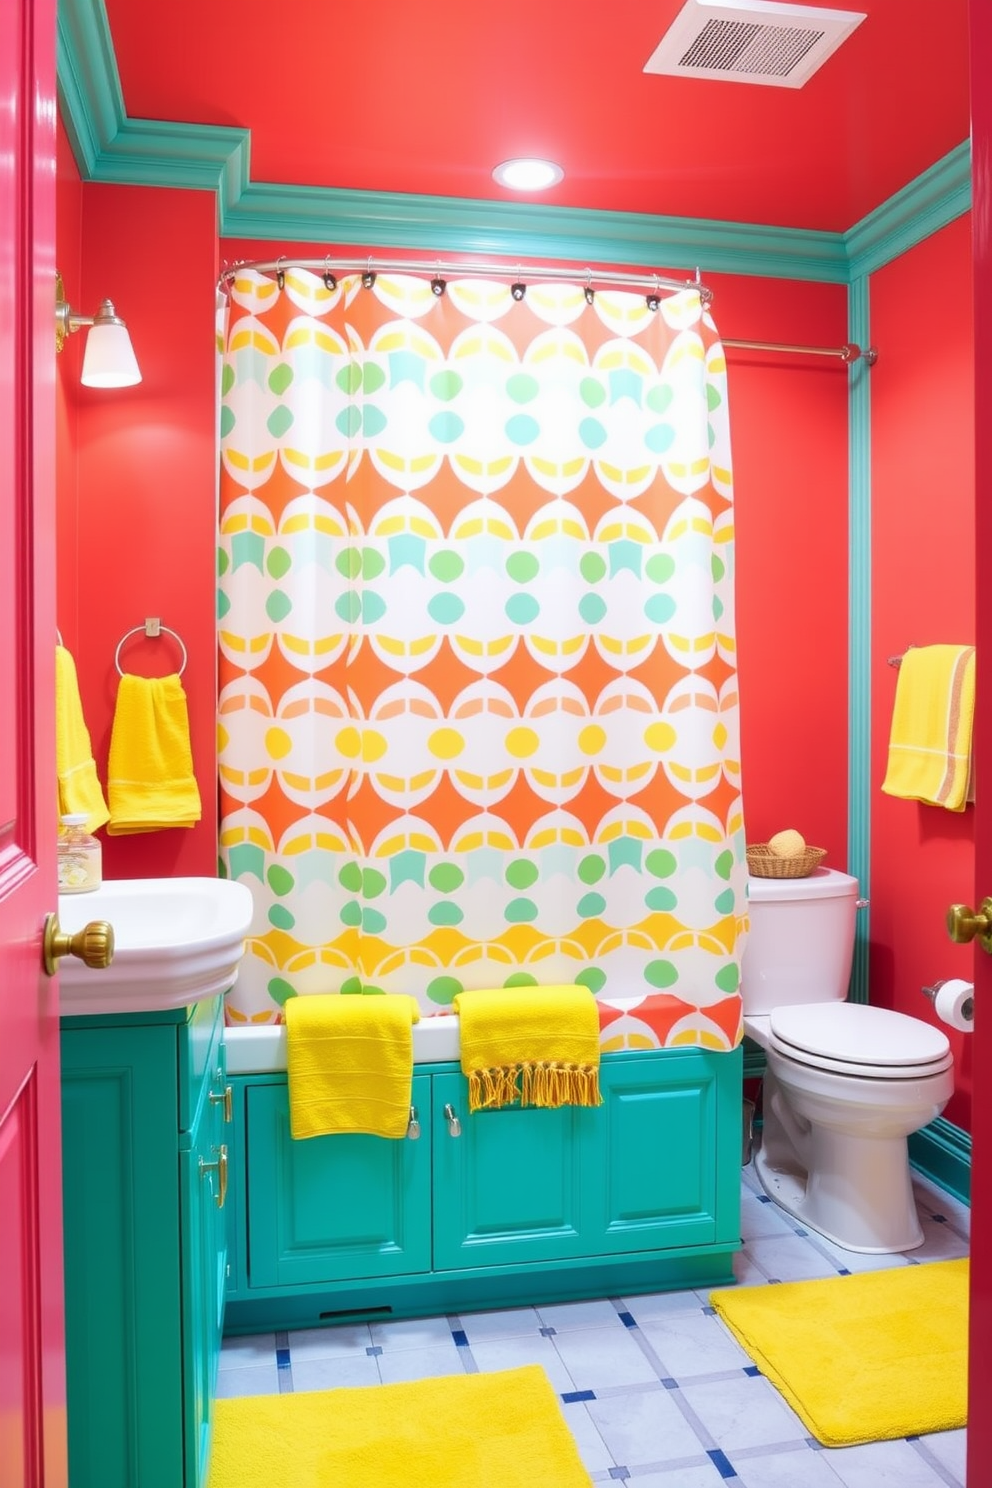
x=478 y=713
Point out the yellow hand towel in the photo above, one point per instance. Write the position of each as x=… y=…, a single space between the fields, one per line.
x=79 y=785
x=349 y=1063
x=150 y=781
x=535 y=1045
x=930 y=740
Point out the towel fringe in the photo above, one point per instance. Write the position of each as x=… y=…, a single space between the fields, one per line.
x=541 y=1083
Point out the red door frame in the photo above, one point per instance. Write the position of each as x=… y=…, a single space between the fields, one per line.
x=32 y=1348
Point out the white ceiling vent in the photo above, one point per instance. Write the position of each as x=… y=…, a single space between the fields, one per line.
x=757 y=42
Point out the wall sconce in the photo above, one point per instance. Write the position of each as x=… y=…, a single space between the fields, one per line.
x=109 y=359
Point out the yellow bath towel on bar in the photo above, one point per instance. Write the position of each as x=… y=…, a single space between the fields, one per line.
x=79 y=786
x=930 y=741
x=535 y=1045
x=150 y=780
x=349 y=1063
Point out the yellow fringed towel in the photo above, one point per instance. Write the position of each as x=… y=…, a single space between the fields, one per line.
x=535 y=1045
x=930 y=740
x=150 y=780
x=349 y=1062
x=79 y=786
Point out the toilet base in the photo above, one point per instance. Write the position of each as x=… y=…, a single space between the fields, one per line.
x=876 y=1232
x=851 y=1183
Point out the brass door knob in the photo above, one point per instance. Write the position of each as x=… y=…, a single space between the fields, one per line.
x=965 y=924
x=94 y=944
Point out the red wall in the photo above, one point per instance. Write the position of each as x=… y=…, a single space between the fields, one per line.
x=137 y=478
x=923 y=592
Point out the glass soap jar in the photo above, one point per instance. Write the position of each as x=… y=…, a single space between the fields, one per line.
x=80 y=857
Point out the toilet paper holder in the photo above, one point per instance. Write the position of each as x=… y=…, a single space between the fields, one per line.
x=967 y=1007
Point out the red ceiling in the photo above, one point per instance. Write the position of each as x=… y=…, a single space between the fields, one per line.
x=427 y=98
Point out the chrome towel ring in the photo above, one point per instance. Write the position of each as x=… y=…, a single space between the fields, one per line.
x=150 y=628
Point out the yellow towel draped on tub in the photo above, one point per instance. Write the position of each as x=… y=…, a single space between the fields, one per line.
x=535 y=1045
x=930 y=741
x=79 y=785
x=349 y=1062
x=150 y=780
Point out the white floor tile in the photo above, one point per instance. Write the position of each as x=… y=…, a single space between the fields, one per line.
x=592 y=1449
x=789 y=1258
x=420 y=1363
x=644 y=1427
x=570 y=1316
x=803 y=1468
x=262 y=1379
x=940 y=1242
x=748 y=1412
x=250 y=1350
x=412 y=1333
x=512 y=1353
x=332 y=1374
x=514 y=1322
x=759 y=1218
x=329 y=1343
x=662 y=1304
x=694 y=1343
x=949 y=1448
x=890 y=1464
x=703 y=1476
x=602 y=1357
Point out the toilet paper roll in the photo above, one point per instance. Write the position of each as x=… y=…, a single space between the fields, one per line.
x=954 y=1004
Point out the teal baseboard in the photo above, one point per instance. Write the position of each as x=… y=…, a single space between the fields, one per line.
x=942 y=1153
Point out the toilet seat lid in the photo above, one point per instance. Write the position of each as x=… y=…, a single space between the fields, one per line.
x=858 y=1034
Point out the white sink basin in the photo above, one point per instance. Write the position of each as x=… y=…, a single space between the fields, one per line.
x=176 y=941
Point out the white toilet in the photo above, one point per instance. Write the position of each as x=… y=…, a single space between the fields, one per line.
x=846 y=1083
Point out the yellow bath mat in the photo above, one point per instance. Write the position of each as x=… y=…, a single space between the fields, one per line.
x=501 y=1430
x=862 y=1358
x=535 y=1045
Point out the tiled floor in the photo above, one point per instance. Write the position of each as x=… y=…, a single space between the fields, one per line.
x=655 y=1389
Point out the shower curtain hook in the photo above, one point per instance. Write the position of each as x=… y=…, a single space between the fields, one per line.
x=653 y=300
x=589 y=292
x=518 y=288
x=330 y=282
x=280 y=273
x=368 y=278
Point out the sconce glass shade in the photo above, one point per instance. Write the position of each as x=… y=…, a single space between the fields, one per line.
x=109 y=360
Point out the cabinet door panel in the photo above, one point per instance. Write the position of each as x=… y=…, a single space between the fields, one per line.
x=514 y=1186
x=333 y=1208
x=660 y=1160
x=204 y=1247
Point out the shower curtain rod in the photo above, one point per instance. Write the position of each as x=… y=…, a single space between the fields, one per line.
x=590 y=277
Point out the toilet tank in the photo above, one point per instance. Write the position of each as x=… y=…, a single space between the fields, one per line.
x=801 y=941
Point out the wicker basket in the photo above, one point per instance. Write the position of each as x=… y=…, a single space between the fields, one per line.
x=763 y=863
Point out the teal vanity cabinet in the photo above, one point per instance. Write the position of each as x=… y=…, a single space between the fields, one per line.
x=145 y=1119
x=496 y=1208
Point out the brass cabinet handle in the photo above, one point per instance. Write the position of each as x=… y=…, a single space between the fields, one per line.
x=413 y=1125
x=221 y=1166
x=225 y=1097
x=965 y=924
x=94 y=944
x=454 y=1125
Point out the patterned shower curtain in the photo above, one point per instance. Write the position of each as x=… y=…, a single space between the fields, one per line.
x=478 y=705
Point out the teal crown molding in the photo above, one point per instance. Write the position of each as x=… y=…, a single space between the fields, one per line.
x=110 y=147
x=927 y=204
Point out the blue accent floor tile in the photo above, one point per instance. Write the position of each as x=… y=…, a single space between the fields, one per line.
x=762 y=1198
x=627 y=1319
x=709 y=1311
x=547 y=1332
x=752 y=1370
x=669 y=1383
x=374 y=1351
x=282 y=1358
x=460 y=1337
x=571 y=1396
x=939 y=1218
x=620 y=1473
x=721 y=1463
x=843 y=1271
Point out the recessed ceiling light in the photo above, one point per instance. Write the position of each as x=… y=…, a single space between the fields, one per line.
x=528 y=175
